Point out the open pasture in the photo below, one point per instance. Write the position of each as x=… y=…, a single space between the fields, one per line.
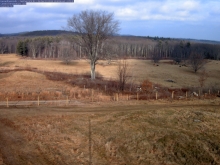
x=125 y=132
x=139 y=70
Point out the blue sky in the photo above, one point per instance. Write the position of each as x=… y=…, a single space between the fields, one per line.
x=198 y=19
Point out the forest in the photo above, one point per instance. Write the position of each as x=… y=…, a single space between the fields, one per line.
x=55 y=44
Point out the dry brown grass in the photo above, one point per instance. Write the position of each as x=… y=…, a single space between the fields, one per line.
x=141 y=70
x=147 y=133
x=32 y=79
x=135 y=132
x=27 y=81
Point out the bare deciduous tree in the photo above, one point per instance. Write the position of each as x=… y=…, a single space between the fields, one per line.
x=109 y=51
x=93 y=28
x=196 y=60
x=202 y=78
x=122 y=74
x=66 y=51
x=2 y=46
x=156 y=57
x=33 y=46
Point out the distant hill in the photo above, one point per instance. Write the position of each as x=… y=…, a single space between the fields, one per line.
x=46 y=33
x=204 y=41
x=38 y=33
x=62 y=32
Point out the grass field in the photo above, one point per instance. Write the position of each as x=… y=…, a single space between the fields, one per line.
x=139 y=70
x=159 y=132
x=146 y=133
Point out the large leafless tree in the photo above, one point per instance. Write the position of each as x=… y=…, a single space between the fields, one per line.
x=34 y=47
x=93 y=28
x=197 y=61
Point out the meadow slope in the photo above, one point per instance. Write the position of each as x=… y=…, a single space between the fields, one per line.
x=139 y=70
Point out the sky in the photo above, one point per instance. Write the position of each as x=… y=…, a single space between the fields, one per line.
x=195 y=19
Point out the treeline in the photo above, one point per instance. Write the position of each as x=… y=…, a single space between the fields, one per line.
x=40 y=47
x=67 y=47
x=46 y=47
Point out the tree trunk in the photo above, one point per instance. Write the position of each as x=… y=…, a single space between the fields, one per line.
x=80 y=51
x=92 y=70
x=33 y=54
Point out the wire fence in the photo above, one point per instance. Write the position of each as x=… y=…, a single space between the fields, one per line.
x=100 y=98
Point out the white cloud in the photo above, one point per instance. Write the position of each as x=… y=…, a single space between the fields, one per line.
x=164 y=10
x=53 y=15
x=189 y=5
x=126 y=13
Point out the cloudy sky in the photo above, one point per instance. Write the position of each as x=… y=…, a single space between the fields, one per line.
x=197 y=19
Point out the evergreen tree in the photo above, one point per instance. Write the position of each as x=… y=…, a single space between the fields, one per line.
x=22 y=48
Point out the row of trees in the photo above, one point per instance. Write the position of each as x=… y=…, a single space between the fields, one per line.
x=182 y=51
x=45 y=47
x=8 y=45
x=61 y=46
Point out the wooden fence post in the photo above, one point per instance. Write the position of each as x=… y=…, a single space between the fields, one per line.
x=92 y=94
x=209 y=92
x=38 y=100
x=90 y=143
x=172 y=94
x=7 y=102
x=156 y=95
x=67 y=100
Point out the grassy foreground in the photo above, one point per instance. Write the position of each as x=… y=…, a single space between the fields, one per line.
x=140 y=133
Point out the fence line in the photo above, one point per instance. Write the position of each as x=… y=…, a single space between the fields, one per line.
x=37 y=103
x=115 y=97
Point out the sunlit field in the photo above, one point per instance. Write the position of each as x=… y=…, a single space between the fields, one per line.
x=103 y=130
x=182 y=76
